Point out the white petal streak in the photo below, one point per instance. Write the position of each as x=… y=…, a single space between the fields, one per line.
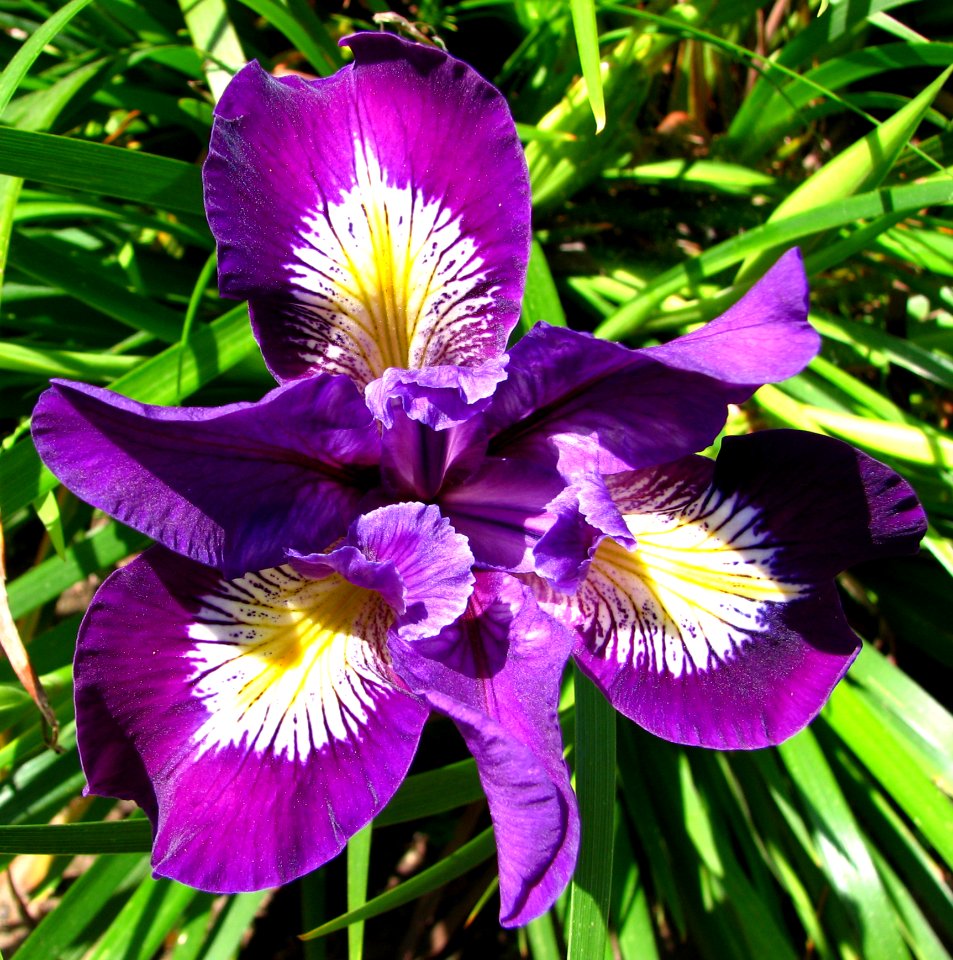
x=387 y=278
x=696 y=589
x=284 y=664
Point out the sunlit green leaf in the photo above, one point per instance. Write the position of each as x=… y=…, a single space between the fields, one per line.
x=107 y=171
x=587 y=42
x=862 y=166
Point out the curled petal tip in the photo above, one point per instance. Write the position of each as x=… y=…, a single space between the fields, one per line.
x=763 y=338
x=412 y=556
x=439 y=397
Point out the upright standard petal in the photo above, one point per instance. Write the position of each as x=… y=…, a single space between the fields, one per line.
x=377 y=218
x=496 y=673
x=255 y=720
x=601 y=407
x=722 y=627
x=232 y=487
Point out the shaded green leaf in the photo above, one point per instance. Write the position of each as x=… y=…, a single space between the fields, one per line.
x=358 y=867
x=82 y=905
x=540 y=299
x=595 y=763
x=841 y=845
x=459 y=862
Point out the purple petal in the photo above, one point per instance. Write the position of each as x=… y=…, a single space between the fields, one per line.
x=723 y=628
x=830 y=505
x=112 y=764
x=604 y=408
x=763 y=338
x=232 y=487
x=503 y=509
x=439 y=397
x=255 y=720
x=584 y=515
x=411 y=555
x=500 y=505
x=496 y=673
x=596 y=406
x=418 y=461
x=377 y=218
x=381 y=576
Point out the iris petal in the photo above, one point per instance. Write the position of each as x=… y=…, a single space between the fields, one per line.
x=260 y=711
x=232 y=487
x=496 y=673
x=418 y=461
x=584 y=515
x=763 y=338
x=413 y=557
x=722 y=627
x=500 y=505
x=503 y=509
x=598 y=406
x=377 y=218
x=440 y=397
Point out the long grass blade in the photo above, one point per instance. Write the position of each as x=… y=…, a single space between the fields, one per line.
x=103 y=170
x=358 y=866
x=861 y=167
x=24 y=58
x=587 y=43
x=480 y=848
x=591 y=885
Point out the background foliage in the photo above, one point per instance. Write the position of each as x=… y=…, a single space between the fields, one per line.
x=730 y=130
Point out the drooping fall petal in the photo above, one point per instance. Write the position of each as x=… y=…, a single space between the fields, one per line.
x=722 y=627
x=254 y=719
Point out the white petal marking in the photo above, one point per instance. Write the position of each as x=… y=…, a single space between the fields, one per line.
x=388 y=277
x=284 y=664
x=691 y=594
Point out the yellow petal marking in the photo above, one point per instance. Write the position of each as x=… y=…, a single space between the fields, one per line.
x=285 y=664
x=390 y=273
x=695 y=588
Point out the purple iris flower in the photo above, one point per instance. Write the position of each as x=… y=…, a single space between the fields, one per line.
x=415 y=521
